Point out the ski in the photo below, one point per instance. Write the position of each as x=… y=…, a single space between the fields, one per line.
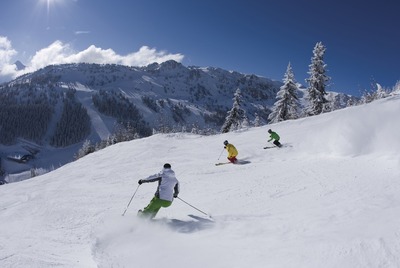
x=202 y=219
x=270 y=147
x=224 y=163
x=238 y=162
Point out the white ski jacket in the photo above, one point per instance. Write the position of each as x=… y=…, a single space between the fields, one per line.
x=168 y=185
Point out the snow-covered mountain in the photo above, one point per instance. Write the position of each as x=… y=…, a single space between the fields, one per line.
x=58 y=107
x=329 y=198
x=19 y=65
x=167 y=94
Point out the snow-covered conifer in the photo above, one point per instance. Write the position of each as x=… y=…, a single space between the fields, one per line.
x=396 y=89
x=367 y=97
x=86 y=148
x=287 y=105
x=235 y=115
x=245 y=123
x=380 y=92
x=350 y=102
x=257 y=120
x=317 y=81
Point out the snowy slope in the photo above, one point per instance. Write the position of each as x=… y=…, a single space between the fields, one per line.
x=330 y=198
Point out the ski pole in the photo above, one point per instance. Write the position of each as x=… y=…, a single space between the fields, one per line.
x=273 y=144
x=130 y=200
x=193 y=206
x=276 y=145
x=221 y=153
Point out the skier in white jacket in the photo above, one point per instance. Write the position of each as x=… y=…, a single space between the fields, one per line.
x=167 y=190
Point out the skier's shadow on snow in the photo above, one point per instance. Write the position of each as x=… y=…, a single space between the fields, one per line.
x=189 y=226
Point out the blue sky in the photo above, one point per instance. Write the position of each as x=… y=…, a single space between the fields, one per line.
x=252 y=36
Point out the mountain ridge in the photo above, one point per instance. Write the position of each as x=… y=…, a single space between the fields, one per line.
x=158 y=97
x=209 y=89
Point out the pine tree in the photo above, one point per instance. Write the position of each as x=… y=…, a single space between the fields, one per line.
x=371 y=94
x=287 y=105
x=257 y=120
x=380 y=92
x=350 y=102
x=367 y=97
x=86 y=149
x=396 y=89
x=235 y=115
x=245 y=123
x=317 y=81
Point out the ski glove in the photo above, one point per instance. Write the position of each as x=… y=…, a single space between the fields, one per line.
x=140 y=182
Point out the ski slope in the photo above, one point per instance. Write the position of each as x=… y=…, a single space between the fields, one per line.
x=330 y=198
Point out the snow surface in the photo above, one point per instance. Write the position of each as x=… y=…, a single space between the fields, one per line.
x=329 y=198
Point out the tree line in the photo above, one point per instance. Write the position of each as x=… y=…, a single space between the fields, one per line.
x=117 y=105
x=25 y=113
x=74 y=124
x=287 y=105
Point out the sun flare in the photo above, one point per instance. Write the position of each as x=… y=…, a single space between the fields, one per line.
x=49 y=4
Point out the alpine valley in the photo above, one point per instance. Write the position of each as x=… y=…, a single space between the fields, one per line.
x=47 y=115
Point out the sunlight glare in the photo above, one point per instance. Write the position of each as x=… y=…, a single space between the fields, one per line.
x=49 y=3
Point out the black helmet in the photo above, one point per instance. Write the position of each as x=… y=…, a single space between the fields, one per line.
x=166 y=165
x=226 y=142
x=269 y=130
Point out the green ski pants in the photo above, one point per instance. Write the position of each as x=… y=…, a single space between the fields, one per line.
x=154 y=206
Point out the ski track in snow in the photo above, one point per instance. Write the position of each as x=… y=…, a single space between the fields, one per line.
x=99 y=126
x=243 y=228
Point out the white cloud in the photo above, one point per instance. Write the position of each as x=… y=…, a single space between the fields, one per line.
x=6 y=54
x=82 y=32
x=147 y=55
x=56 y=53
x=60 y=53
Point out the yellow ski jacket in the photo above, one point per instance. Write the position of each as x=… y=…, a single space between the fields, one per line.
x=231 y=150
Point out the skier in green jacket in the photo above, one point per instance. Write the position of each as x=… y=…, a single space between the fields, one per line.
x=274 y=136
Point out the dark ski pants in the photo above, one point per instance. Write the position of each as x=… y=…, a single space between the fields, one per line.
x=277 y=143
x=154 y=206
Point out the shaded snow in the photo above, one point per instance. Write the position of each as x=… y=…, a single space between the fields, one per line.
x=101 y=124
x=329 y=198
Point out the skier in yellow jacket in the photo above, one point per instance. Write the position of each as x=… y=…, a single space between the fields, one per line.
x=232 y=152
